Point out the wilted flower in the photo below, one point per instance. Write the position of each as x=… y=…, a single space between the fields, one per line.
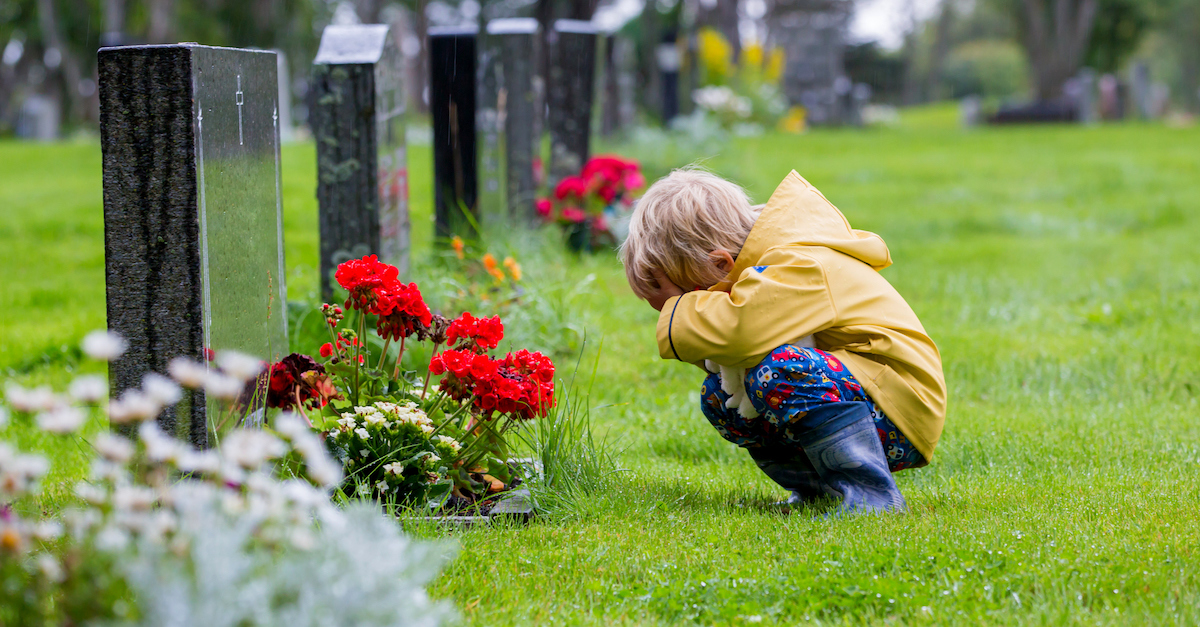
x=65 y=419
x=161 y=389
x=104 y=345
x=188 y=373
x=89 y=388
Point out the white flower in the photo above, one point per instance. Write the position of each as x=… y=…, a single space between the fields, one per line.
x=160 y=447
x=365 y=410
x=134 y=498
x=324 y=471
x=47 y=530
x=104 y=345
x=61 y=420
x=222 y=386
x=113 y=447
x=240 y=365
x=133 y=406
x=375 y=419
x=91 y=494
x=291 y=426
x=89 y=388
x=433 y=459
x=387 y=407
x=347 y=424
x=381 y=486
x=394 y=468
x=49 y=567
x=250 y=448
x=188 y=373
x=426 y=428
x=104 y=470
x=199 y=461
x=362 y=433
x=161 y=389
x=111 y=539
x=448 y=441
x=26 y=400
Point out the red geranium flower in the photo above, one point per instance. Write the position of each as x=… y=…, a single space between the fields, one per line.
x=401 y=310
x=480 y=334
x=362 y=278
x=327 y=349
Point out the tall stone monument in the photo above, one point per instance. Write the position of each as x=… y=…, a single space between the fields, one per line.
x=514 y=41
x=452 y=102
x=569 y=95
x=193 y=232
x=358 y=123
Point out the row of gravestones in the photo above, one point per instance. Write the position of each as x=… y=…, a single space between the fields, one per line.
x=191 y=168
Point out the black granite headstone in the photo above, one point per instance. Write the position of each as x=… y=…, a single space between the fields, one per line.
x=515 y=40
x=193 y=230
x=452 y=96
x=569 y=94
x=358 y=123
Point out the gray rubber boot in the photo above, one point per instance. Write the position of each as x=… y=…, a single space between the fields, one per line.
x=792 y=471
x=844 y=449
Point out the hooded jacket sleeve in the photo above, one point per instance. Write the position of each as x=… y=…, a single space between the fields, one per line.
x=785 y=298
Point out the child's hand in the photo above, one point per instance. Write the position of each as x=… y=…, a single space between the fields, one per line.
x=665 y=291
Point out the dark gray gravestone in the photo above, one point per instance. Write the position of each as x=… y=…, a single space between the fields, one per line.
x=358 y=123
x=193 y=231
x=516 y=39
x=452 y=75
x=569 y=95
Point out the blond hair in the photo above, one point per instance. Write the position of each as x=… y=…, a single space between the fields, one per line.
x=676 y=224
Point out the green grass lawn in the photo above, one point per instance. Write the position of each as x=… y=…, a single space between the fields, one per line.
x=1058 y=270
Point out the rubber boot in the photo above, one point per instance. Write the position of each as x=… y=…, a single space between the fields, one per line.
x=841 y=442
x=792 y=471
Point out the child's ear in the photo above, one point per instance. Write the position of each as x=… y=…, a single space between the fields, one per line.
x=722 y=260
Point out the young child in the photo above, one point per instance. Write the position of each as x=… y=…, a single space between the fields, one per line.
x=743 y=287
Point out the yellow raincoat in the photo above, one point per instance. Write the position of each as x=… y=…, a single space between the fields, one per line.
x=804 y=271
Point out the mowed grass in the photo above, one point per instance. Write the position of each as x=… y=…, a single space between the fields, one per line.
x=1058 y=270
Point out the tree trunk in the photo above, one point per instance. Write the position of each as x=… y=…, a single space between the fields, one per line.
x=941 y=48
x=69 y=67
x=1056 y=38
x=114 y=22
x=161 y=29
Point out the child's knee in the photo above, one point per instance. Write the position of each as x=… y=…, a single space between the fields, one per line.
x=712 y=397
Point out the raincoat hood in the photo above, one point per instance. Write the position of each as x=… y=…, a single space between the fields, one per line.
x=799 y=215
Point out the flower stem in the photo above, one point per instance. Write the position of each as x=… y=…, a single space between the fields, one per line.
x=387 y=344
x=396 y=374
x=429 y=371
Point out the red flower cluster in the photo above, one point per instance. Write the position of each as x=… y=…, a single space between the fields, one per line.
x=298 y=380
x=362 y=278
x=375 y=289
x=521 y=385
x=401 y=309
x=477 y=334
x=604 y=181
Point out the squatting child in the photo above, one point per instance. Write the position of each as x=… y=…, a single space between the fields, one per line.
x=744 y=287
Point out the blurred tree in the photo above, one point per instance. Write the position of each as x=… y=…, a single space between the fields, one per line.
x=1120 y=27
x=883 y=71
x=1055 y=35
x=941 y=48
